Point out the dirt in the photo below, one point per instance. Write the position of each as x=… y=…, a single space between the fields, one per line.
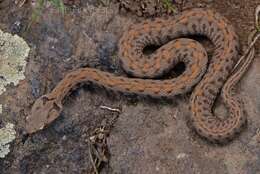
x=149 y=136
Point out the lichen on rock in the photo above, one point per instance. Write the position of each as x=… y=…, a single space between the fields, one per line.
x=13 y=52
x=7 y=135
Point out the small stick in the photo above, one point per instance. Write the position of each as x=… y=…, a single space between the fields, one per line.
x=110 y=109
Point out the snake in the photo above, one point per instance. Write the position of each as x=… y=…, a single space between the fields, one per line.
x=205 y=77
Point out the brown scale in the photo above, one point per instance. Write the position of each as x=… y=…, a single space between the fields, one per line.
x=145 y=68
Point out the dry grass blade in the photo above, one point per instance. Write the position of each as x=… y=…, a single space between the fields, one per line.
x=20 y=3
x=257 y=13
x=93 y=162
x=97 y=143
x=253 y=37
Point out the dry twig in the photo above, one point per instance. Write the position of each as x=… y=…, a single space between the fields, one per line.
x=97 y=142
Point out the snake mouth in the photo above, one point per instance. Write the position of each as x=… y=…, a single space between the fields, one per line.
x=31 y=127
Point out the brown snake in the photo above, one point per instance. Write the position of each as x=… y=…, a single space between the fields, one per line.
x=209 y=76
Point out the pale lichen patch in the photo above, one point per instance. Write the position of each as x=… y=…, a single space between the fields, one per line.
x=13 y=52
x=7 y=135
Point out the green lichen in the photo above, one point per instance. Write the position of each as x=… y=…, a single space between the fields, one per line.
x=7 y=135
x=13 y=52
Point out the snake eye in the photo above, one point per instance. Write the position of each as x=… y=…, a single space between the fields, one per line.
x=44 y=99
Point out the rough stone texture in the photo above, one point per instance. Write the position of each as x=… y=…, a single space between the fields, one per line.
x=150 y=136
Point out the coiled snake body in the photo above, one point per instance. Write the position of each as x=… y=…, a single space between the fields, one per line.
x=208 y=76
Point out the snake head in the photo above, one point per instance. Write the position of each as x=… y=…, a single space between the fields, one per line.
x=44 y=111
